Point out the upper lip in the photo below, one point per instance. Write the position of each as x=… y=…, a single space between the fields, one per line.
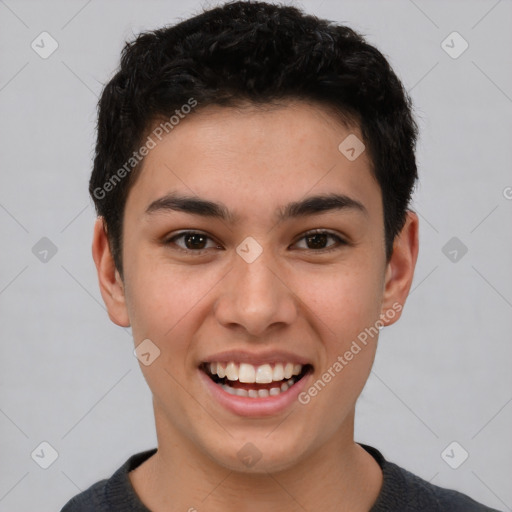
x=243 y=356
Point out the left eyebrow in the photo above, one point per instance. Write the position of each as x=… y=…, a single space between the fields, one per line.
x=313 y=205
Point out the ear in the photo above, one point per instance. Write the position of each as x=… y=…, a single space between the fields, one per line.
x=111 y=284
x=400 y=270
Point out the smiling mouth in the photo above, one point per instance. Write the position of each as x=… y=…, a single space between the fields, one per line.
x=262 y=381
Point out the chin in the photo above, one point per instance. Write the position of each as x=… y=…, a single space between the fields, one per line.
x=257 y=455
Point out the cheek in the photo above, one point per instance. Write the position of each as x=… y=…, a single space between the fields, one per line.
x=160 y=300
x=159 y=295
x=166 y=304
x=346 y=306
x=346 y=300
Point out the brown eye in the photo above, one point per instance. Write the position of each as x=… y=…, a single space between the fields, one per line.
x=192 y=241
x=317 y=241
x=195 y=241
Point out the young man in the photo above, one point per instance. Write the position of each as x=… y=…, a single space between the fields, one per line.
x=253 y=173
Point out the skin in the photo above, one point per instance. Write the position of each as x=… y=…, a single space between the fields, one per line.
x=293 y=297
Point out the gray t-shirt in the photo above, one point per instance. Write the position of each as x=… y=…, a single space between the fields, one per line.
x=401 y=492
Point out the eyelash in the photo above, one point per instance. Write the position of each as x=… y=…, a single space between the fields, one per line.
x=339 y=241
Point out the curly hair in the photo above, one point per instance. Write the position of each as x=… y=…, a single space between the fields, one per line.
x=258 y=53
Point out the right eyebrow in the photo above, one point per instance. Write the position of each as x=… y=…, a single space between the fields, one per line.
x=191 y=205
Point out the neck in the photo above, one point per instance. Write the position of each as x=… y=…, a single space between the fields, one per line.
x=337 y=475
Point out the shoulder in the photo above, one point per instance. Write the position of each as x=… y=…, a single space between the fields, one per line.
x=92 y=499
x=402 y=491
x=114 y=494
x=422 y=495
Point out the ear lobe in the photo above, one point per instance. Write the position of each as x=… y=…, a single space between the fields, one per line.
x=111 y=284
x=400 y=270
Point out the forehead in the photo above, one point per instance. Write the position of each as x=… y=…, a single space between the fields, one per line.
x=252 y=158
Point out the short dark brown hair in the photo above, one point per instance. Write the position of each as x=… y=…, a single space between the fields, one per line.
x=258 y=53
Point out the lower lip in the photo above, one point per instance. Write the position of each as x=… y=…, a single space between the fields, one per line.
x=246 y=406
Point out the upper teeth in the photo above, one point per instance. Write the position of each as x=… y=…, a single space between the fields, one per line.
x=262 y=374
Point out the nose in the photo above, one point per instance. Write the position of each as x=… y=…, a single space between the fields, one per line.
x=256 y=298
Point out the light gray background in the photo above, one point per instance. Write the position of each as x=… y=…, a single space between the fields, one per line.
x=68 y=375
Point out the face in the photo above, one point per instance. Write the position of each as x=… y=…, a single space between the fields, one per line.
x=270 y=283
